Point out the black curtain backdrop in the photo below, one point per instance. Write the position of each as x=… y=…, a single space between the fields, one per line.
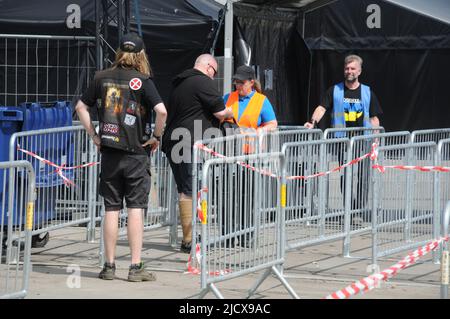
x=406 y=61
x=272 y=35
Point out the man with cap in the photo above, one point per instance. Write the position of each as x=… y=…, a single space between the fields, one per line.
x=251 y=110
x=124 y=97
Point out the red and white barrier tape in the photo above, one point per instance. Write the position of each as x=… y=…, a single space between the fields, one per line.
x=373 y=155
x=443 y=169
x=214 y=153
x=196 y=271
x=371 y=281
x=59 y=168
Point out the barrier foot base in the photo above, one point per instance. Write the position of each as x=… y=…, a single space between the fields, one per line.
x=285 y=283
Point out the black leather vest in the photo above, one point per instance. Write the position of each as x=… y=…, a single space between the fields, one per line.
x=125 y=118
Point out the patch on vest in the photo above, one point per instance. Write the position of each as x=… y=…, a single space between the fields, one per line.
x=130 y=119
x=109 y=128
x=135 y=84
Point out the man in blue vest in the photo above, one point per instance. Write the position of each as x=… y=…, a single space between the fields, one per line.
x=352 y=104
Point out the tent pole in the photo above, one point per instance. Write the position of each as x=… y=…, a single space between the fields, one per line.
x=228 y=47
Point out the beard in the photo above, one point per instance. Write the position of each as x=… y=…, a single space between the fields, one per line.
x=351 y=78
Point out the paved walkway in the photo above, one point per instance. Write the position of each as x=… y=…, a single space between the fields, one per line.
x=313 y=272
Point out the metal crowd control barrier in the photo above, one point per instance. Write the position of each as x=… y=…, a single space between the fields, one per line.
x=350 y=132
x=58 y=204
x=45 y=67
x=16 y=209
x=290 y=127
x=432 y=135
x=444 y=252
x=233 y=145
x=234 y=201
x=273 y=141
x=403 y=215
x=358 y=185
x=443 y=180
x=161 y=211
x=315 y=206
x=240 y=144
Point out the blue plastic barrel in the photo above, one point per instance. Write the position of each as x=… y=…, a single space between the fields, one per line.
x=10 y=122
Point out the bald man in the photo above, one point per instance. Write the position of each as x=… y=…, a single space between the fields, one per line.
x=195 y=105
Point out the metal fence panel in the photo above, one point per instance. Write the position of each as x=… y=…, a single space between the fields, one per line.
x=273 y=141
x=358 y=183
x=241 y=144
x=350 y=132
x=403 y=216
x=16 y=218
x=59 y=203
x=242 y=223
x=315 y=206
x=443 y=179
x=432 y=135
x=229 y=146
x=44 y=67
x=290 y=127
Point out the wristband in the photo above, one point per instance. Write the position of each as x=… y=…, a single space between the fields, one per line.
x=158 y=138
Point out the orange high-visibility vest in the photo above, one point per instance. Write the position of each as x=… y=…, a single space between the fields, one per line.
x=250 y=116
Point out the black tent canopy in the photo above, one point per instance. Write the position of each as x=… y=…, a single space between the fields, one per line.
x=406 y=58
x=297 y=46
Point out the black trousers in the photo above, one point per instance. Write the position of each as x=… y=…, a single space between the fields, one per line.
x=237 y=207
x=359 y=189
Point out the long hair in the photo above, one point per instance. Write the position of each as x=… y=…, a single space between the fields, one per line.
x=137 y=61
x=257 y=86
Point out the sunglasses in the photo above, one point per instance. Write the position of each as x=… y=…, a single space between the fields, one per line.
x=215 y=71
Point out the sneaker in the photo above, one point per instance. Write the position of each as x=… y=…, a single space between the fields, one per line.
x=138 y=273
x=108 y=271
x=185 y=247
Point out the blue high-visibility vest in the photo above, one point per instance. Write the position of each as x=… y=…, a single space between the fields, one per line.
x=338 y=115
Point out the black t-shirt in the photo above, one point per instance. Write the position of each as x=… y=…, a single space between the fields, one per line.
x=125 y=99
x=353 y=106
x=193 y=100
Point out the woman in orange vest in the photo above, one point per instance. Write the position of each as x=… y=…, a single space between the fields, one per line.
x=251 y=109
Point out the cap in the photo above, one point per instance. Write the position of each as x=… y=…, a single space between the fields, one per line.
x=131 y=42
x=244 y=72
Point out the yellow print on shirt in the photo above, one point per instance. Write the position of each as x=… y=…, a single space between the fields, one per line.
x=114 y=99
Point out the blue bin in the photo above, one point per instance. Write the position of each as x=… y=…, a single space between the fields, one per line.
x=46 y=115
x=36 y=116
x=10 y=123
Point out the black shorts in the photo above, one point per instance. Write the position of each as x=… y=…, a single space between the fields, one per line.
x=182 y=173
x=125 y=175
